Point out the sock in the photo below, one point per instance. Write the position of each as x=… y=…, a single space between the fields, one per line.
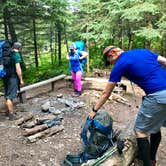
x=144 y=150
x=154 y=144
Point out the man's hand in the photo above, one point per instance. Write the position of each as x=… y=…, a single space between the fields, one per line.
x=22 y=83
x=92 y=114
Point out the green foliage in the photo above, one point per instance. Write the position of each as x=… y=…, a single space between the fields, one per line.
x=148 y=33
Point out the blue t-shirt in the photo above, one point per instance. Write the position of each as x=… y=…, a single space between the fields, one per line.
x=74 y=61
x=141 y=67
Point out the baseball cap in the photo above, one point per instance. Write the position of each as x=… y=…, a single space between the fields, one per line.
x=17 y=45
x=72 y=46
x=106 y=53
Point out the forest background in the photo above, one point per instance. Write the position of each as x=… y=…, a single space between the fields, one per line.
x=46 y=28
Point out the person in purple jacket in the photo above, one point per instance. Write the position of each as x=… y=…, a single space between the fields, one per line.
x=146 y=69
x=74 y=56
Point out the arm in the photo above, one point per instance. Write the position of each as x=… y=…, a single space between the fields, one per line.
x=19 y=73
x=84 y=54
x=103 y=98
x=162 y=60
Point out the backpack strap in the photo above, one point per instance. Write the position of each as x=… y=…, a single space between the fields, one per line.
x=84 y=131
x=103 y=129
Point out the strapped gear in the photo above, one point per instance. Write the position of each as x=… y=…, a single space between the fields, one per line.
x=5 y=58
x=98 y=141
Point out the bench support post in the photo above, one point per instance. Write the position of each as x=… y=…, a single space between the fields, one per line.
x=22 y=97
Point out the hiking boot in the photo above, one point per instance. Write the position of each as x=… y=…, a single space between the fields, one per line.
x=153 y=163
x=76 y=94
x=12 y=116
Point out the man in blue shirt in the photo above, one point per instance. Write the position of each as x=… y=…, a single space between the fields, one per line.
x=144 y=68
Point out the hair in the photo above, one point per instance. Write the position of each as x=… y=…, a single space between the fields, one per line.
x=17 y=45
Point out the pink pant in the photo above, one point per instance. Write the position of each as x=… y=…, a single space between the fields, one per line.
x=77 y=80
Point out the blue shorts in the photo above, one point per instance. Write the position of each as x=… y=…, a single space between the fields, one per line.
x=11 y=87
x=152 y=113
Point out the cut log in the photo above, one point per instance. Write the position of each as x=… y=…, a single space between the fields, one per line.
x=48 y=132
x=35 y=130
x=24 y=119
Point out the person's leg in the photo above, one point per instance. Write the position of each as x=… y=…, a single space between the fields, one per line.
x=143 y=148
x=154 y=144
x=78 y=82
x=11 y=89
x=74 y=79
x=9 y=105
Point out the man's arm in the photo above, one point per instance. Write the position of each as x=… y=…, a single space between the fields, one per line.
x=162 y=60
x=19 y=73
x=103 y=98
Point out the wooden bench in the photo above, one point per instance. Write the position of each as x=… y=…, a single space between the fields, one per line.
x=22 y=93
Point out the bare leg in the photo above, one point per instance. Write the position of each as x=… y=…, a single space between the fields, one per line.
x=9 y=105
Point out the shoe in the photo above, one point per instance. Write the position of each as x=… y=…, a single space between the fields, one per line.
x=76 y=94
x=12 y=116
x=153 y=163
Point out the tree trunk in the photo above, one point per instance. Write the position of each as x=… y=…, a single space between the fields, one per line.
x=130 y=39
x=59 y=46
x=120 y=34
x=87 y=46
x=5 y=24
x=35 y=42
x=66 y=41
x=147 y=44
x=9 y=23
x=51 y=48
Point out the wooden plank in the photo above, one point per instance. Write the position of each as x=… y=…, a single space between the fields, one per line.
x=42 y=83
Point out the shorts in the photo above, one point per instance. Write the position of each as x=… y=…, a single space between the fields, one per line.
x=152 y=113
x=11 y=87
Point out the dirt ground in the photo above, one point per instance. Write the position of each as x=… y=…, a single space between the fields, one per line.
x=50 y=151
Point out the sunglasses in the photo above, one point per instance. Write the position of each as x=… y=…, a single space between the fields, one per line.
x=106 y=55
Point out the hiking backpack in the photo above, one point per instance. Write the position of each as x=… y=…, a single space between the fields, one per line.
x=80 y=45
x=97 y=138
x=100 y=135
x=5 y=58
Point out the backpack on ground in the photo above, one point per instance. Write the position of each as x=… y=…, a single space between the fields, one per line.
x=5 y=58
x=97 y=138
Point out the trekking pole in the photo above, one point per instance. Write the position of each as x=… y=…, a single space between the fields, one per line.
x=105 y=156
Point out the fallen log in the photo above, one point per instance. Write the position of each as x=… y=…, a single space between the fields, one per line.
x=42 y=125
x=24 y=119
x=35 y=129
x=49 y=132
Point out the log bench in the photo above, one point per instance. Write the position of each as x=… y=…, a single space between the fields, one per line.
x=22 y=92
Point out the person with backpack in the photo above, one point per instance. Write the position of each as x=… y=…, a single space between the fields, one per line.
x=13 y=78
x=74 y=56
x=146 y=69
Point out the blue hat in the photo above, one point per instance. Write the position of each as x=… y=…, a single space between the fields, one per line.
x=72 y=46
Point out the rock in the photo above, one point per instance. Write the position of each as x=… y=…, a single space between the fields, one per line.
x=54 y=111
x=45 y=106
